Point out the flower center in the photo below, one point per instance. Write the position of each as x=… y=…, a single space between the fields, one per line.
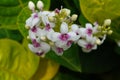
x=39 y=53
x=69 y=43
x=36 y=15
x=89 y=31
x=64 y=37
x=47 y=27
x=34 y=29
x=59 y=50
x=35 y=43
x=89 y=46
x=57 y=11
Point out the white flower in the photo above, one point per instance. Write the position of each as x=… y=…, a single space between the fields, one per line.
x=39 y=47
x=33 y=20
x=40 y=50
x=75 y=28
x=63 y=37
x=89 y=29
x=88 y=44
x=59 y=51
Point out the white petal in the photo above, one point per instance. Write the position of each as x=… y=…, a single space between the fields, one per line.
x=52 y=25
x=45 y=47
x=55 y=50
x=91 y=39
x=32 y=35
x=28 y=22
x=54 y=36
x=52 y=13
x=60 y=44
x=32 y=48
x=35 y=21
x=73 y=36
x=41 y=33
x=74 y=27
x=86 y=50
x=94 y=47
x=50 y=35
x=88 y=25
x=45 y=20
x=82 y=32
x=64 y=27
x=82 y=43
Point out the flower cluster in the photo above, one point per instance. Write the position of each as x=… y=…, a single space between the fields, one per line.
x=56 y=30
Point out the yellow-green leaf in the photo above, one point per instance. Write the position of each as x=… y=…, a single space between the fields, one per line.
x=16 y=63
x=99 y=10
x=47 y=70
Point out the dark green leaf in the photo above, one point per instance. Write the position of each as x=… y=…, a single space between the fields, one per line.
x=69 y=59
x=11 y=34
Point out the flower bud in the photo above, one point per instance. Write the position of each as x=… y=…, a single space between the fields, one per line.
x=31 y=5
x=65 y=12
x=110 y=32
x=98 y=41
x=27 y=27
x=107 y=22
x=43 y=38
x=40 y=4
x=28 y=37
x=74 y=17
x=51 y=18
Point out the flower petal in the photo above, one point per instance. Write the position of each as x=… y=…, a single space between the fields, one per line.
x=28 y=22
x=86 y=50
x=64 y=27
x=45 y=47
x=74 y=27
x=73 y=36
x=88 y=25
x=82 y=43
x=32 y=35
x=32 y=48
x=58 y=51
x=35 y=21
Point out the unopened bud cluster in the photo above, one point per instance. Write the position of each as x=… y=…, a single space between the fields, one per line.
x=55 y=30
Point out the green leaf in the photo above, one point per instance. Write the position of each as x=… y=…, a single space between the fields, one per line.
x=16 y=63
x=99 y=10
x=47 y=70
x=69 y=59
x=25 y=14
x=82 y=20
x=10 y=9
x=10 y=34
